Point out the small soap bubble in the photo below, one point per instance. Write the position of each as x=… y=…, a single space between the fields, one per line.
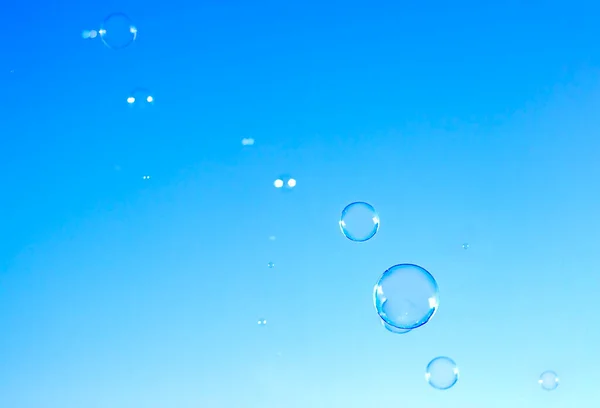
x=441 y=373
x=272 y=238
x=247 y=141
x=262 y=322
x=465 y=245
x=406 y=296
x=140 y=98
x=393 y=329
x=285 y=183
x=549 y=380
x=145 y=177
x=271 y=265
x=117 y=31
x=359 y=222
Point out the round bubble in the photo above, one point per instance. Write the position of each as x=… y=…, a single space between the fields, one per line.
x=140 y=98
x=441 y=373
x=117 y=31
x=271 y=265
x=548 y=380
x=406 y=296
x=393 y=329
x=285 y=182
x=359 y=222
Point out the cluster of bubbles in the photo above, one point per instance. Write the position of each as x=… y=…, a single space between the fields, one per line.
x=117 y=32
x=406 y=296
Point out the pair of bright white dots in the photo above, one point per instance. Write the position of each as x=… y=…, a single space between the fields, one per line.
x=132 y=99
x=291 y=183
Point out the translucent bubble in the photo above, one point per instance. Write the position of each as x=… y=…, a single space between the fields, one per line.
x=359 y=222
x=393 y=329
x=549 y=380
x=117 y=31
x=285 y=182
x=262 y=322
x=145 y=177
x=271 y=265
x=406 y=296
x=441 y=373
x=140 y=98
x=247 y=141
x=465 y=245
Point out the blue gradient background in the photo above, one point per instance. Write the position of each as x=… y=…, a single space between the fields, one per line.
x=460 y=122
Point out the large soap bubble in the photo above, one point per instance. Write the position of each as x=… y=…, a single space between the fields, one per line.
x=406 y=296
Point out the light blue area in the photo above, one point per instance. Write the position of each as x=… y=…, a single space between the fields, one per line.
x=459 y=122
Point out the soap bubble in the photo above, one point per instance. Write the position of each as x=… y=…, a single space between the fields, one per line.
x=262 y=322
x=285 y=183
x=393 y=329
x=359 y=222
x=247 y=141
x=140 y=98
x=406 y=296
x=89 y=34
x=271 y=265
x=117 y=31
x=441 y=373
x=549 y=380
x=465 y=245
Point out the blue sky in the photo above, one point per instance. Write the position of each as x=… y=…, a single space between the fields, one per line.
x=460 y=122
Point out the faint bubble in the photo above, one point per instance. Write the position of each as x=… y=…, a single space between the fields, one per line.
x=117 y=31
x=393 y=329
x=262 y=322
x=406 y=296
x=272 y=238
x=140 y=97
x=465 y=246
x=145 y=177
x=247 y=141
x=441 y=373
x=285 y=182
x=359 y=222
x=271 y=265
x=549 y=380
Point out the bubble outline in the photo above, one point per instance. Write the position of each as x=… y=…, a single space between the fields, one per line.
x=421 y=321
x=375 y=230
